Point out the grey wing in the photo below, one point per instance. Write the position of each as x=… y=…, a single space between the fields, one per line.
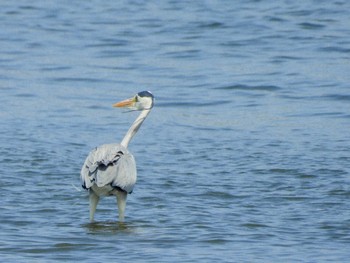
x=109 y=164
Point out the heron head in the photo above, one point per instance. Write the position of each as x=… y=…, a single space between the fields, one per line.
x=141 y=101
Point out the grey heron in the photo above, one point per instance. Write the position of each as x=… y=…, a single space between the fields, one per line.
x=110 y=169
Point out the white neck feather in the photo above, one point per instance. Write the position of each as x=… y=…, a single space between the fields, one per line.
x=134 y=127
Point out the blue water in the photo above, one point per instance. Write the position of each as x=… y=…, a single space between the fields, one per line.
x=244 y=158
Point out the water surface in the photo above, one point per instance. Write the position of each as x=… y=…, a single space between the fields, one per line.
x=244 y=158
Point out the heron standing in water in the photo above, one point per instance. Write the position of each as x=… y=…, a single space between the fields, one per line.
x=110 y=169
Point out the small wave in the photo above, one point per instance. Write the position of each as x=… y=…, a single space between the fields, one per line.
x=338 y=97
x=193 y=104
x=55 y=68
x=311 y=26
x=26 y=95
x=335 y=49
x=77 y=79
x=211 y=25
x=250 y=88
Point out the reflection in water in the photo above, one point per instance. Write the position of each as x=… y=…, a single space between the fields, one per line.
x=111 y=227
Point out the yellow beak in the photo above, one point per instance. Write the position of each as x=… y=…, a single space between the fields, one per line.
x=125 y=103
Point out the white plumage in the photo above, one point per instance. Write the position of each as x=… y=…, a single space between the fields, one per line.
x=109 y=165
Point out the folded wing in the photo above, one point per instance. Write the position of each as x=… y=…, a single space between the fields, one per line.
x=109 y=164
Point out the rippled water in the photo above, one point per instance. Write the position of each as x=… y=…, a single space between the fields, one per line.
x=245 y=157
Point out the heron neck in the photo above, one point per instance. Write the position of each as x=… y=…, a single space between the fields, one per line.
x=134 y=127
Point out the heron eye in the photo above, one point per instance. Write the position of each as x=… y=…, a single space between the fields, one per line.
x=136 y=98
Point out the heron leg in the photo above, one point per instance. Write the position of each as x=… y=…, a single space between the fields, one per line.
x=121 y=201
x=94 y=198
